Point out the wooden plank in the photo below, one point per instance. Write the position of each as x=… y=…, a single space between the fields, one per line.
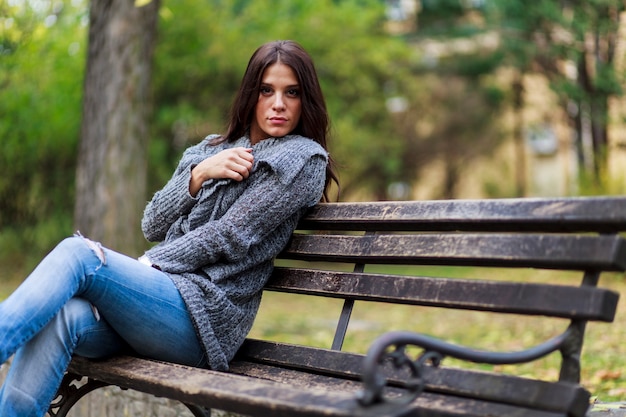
x=581 y=303
x=427 y=404
x=260 y=396
x=498 y=388
x=219 y=390
x=604 y=253
x=600 y=214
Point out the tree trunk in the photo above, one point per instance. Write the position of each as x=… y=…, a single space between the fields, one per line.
x=112 y=164
x=518 y=134
x=600 y=139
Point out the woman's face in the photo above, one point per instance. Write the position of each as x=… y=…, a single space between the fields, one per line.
x=279 y=106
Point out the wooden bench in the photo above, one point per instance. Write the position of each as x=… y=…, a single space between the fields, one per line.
x=268 y=378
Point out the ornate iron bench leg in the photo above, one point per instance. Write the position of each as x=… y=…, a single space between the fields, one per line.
x=198 y=411
x=70 y=392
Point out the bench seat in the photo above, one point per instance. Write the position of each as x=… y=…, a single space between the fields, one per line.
x=348 y=251
x=257 y=389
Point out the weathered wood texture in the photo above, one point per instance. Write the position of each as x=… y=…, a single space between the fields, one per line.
x=598 y=214
x=279 y=379
x=585 y=303
x=478 y=385
x=506 y=250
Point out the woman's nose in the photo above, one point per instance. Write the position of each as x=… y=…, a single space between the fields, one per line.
x=278 y=102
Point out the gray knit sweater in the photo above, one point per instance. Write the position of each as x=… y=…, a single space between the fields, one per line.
x=219 y=246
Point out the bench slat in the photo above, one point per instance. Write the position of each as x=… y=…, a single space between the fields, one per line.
x=584 y=303
x=263 y=397
x=214 y=389
x=498 y=388
x=604 y=253
x=600 y=214
x=428 y=404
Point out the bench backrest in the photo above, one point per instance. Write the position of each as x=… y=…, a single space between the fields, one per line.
x=579 y=234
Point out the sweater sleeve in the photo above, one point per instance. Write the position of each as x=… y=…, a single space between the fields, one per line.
x=267 y=202
x=167 y=205
x=174 y=199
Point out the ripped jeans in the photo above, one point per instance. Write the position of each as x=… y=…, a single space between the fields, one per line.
x=86 y=300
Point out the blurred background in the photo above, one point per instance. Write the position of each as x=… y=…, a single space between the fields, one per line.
x=430 y=99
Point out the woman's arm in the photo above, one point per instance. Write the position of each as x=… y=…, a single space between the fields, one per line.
x=169 y=203
x=265 y=204
x=234 y=164
x=178 y=196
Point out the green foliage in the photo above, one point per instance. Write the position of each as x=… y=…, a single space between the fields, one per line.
x=200 y=63
x=472 y=65
x=23 y=246
x=457 y=120
x=452 y=107
x=41 y=65
x=573 y=44
x=201 y=55
x=448 y=17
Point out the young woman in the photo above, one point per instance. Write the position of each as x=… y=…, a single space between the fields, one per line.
x=227 y=211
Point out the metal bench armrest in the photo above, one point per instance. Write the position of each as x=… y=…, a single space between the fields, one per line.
x=390 y=350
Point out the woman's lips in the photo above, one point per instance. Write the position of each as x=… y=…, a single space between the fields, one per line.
x=278 y=120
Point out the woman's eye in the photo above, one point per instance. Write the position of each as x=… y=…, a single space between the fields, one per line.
x=266 y=90
x=293 y=92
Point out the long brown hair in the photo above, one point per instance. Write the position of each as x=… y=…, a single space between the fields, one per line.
x=314 y=120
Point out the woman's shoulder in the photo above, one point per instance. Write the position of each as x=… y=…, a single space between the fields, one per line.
x=293 y=144
x=304 y=141
x=290 y=154
x=211 y=144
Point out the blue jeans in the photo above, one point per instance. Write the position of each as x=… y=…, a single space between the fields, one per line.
x=87 y=300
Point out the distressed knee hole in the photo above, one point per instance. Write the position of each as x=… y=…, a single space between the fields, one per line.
x=95 y=247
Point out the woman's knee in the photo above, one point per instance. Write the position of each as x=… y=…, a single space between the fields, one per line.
x=78 y=328
x=69 y=243
x=91 y=336
x=77 y=314
x=77 y=243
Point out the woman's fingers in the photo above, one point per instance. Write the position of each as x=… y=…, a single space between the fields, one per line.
x=235 y=163
x=238 y=163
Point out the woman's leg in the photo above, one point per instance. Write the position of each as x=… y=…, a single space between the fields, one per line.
x=144 y=307
x=139 y=303
x=38 y=366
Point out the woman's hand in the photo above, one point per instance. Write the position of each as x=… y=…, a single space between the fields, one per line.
x=234 y=164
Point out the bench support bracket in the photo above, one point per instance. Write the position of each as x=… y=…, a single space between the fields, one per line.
x=390 y=348
x=71 y=391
